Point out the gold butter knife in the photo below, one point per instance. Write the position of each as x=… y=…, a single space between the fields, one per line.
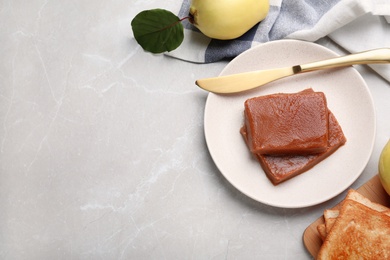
x=248 y=80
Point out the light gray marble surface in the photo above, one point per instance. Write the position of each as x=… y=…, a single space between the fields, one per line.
x=102 y=151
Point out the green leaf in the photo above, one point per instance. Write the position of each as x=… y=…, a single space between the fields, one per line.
x=157 y=30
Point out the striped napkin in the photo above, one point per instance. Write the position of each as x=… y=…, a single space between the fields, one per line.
x=355 y=25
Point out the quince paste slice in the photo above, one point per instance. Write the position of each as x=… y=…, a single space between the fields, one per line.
x=280 y=124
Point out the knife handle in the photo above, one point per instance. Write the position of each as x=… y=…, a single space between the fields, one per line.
x=376 y=56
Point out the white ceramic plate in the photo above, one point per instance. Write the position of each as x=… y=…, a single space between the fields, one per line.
x=348 y=98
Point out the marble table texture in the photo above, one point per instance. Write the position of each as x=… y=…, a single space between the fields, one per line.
x=102 y=150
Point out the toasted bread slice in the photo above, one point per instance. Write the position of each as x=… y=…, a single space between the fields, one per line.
x=330 y=216
x=322 y=231
x=356 y=196
x=358 y=233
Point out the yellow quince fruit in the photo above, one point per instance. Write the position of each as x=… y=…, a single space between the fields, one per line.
x=384 y=167
x=227 y=19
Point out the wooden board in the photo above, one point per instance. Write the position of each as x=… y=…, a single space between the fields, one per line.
x=372 y=189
